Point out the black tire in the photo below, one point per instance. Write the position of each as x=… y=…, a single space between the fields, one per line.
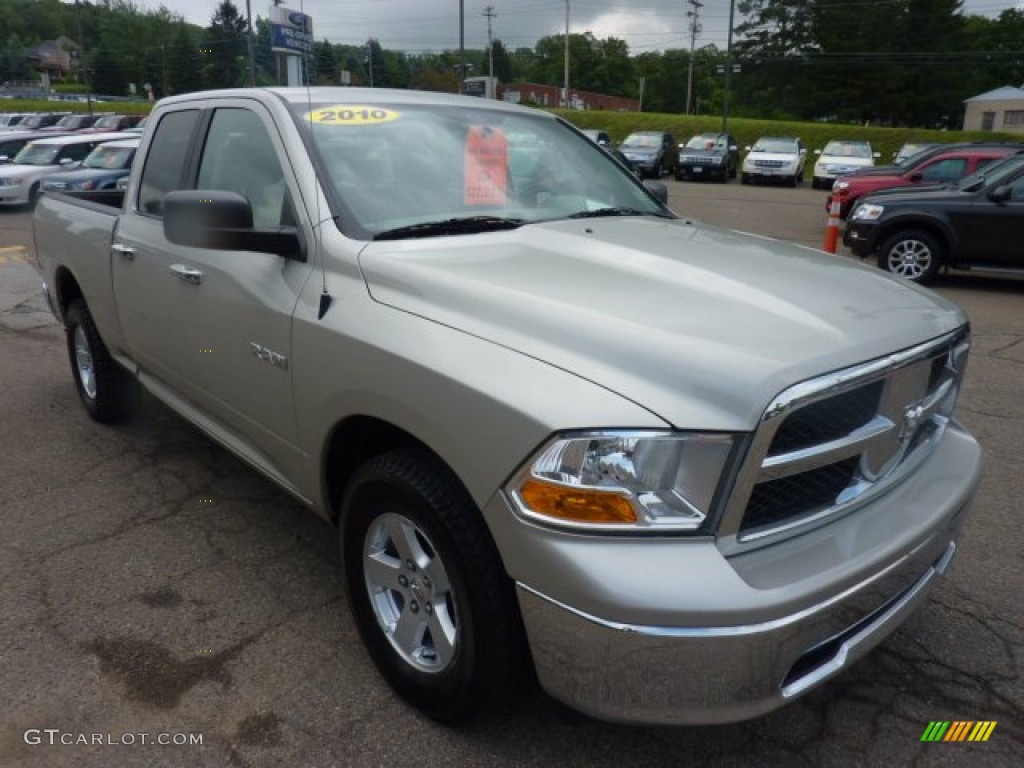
x=791 y=181
x=913 y=254
x=107 y=391
x=680 y=177
x=745 y=178
x=442 y=539
x=33 y=196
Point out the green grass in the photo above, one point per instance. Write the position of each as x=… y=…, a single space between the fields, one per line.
x=886 y=141
x=115 y=107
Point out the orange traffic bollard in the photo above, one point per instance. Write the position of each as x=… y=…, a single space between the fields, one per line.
x=832 y=227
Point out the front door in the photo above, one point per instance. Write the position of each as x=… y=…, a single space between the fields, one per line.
x=214 y=326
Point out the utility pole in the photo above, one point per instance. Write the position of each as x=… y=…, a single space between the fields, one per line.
x=462 y=46
x=81 y=58
x=369 y=59
x=567 y=100
x=728 y=69
x=251 y=44
x=694 y=17
x=490 y=14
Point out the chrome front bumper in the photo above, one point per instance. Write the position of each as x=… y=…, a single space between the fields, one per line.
x=669 y=631
x=671 y=675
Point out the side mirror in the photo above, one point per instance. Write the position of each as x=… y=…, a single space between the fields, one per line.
x=733 y=148
x=916 y=176
x=4 y=159
x=747 y=148
x=817 y=151
x=803 y=151
x=1000 y=194
x=222 y=220
x=876 y=155
x=66 y=162
x=658 y=189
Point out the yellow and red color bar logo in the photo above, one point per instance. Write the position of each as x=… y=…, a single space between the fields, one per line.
x=958 y=730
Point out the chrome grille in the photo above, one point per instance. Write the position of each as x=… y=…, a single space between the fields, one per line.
x=828 y=445
x=768 y=163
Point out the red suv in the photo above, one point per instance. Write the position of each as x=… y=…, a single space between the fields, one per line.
x=942 y=168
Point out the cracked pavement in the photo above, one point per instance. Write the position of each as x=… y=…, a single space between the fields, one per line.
x=151 y=583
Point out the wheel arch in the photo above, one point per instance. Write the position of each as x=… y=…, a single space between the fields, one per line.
x=355 y=440
x=940 y=230
x=66 y=290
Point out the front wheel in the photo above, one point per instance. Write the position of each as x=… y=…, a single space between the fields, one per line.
x=106 y=390
x=433 y=605
x=912 y=254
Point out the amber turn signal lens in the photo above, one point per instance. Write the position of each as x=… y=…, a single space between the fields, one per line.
x=577 y=504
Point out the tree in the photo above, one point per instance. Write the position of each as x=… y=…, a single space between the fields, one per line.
x=106 y=75
x=325 y=64
x=182 y=74
x=224 y=48
x=13 y=64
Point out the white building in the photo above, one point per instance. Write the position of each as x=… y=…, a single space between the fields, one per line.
x=1001 y=110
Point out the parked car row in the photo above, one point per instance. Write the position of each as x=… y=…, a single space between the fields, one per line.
x=67 y=122
x=976 y=223
x=53 y=160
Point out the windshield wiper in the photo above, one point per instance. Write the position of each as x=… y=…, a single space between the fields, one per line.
x=602 y=212
x=466 y=225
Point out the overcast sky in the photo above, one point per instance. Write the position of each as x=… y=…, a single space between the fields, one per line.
x=433 y=25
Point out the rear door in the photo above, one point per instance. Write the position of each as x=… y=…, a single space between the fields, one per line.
x=992 y=231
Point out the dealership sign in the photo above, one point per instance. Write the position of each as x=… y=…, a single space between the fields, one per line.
x=290 y=31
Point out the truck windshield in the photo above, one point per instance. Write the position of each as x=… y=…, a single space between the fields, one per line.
x=37 y=154
x=397 y=167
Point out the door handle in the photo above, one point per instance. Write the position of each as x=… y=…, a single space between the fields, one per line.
x=125 y=250
x=188 y=274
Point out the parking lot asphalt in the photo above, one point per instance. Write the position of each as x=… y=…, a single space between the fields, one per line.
x=154 y=588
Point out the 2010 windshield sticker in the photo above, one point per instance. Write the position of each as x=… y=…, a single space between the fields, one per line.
x=351 y=114
x=486 y=166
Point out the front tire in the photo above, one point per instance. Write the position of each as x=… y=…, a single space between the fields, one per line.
x=106 y=390
x=911 y=254
x=433 y=605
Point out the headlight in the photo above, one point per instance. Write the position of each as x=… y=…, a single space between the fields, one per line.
x=866 y=212
x=839 y=186
x=663 y=481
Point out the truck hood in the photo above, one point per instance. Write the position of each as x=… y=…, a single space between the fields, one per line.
x=922 y=192
x=701 y=326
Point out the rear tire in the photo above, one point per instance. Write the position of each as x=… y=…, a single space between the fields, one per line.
x=433 y=605
x=106 y=390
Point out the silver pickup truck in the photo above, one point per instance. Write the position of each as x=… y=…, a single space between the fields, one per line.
x=683 y=474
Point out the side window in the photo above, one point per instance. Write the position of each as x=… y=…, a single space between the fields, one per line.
x=239 y=156
x=74 y=152
x=1017 y=191
x=165 y=162
x=950 y=169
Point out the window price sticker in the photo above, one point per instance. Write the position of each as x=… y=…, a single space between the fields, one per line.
x=486 y=167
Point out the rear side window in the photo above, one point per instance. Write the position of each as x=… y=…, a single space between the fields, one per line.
x=165 y=161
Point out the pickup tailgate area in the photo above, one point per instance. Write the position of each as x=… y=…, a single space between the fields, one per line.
x=72 y=240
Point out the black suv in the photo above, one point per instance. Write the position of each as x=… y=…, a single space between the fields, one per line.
x=976 y=223
x=709 y=156
x=652 y=153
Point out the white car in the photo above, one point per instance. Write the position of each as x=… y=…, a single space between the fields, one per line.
x=839 y=157
x=775 y=158
x=20 y=181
